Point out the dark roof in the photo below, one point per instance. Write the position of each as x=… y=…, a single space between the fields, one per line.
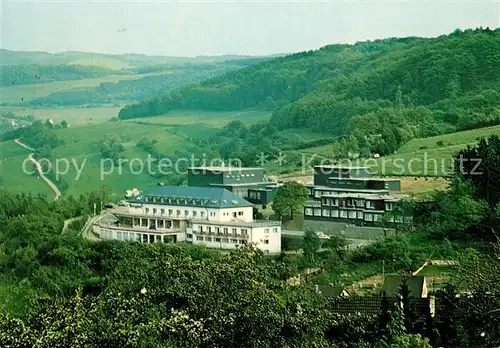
x=372 y=305
x=330 y=290
x=392 y=285
x=224 y=169
x=210 y=197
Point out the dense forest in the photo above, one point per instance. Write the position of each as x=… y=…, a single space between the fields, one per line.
x=60 y=290
x=434 y=85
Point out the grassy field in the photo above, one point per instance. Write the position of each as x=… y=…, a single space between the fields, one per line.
x=82 y=146
x=432 y=157
x=21 y=94
x=13 y=177
x=211 y=118
x=74 y=116
x=109 y=63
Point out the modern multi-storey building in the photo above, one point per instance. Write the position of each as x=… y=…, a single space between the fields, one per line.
x=212 y=216
x=352 y=195
x=248 y=183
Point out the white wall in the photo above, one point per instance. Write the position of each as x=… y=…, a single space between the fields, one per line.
x=271 y=234
x=211 y=214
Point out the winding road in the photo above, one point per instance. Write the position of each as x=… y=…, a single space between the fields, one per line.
x=39 y=169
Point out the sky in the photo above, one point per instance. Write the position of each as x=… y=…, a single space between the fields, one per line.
x=193 y=28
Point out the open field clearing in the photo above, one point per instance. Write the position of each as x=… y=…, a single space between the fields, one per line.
x=12 y=176
x=212 y=118
x=109 y=63
x=23 y=93
x=74 y=116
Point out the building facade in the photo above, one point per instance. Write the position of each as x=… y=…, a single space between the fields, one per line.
x=248 y=183
x=353 y=196
x=211 y=216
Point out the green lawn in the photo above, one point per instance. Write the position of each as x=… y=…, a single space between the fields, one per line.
x=109 y=63
x=74 y=116
x=431 y=156
x=425 y=157
x=21 y=94
x=13 y=177
x=211 y=118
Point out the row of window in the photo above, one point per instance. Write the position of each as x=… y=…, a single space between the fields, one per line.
x=348 y=202
x=343 y=214
x=179 y=213
x=137 y=237
x=140 y=222
x=225 y=230
x=220 y=240
x=239 y=175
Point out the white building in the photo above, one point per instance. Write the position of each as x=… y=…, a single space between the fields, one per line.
x=211 y=216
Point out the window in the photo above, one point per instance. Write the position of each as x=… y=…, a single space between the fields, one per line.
x=225 y=240
x=244 y=231
x=200 y=228
x=217 y=240
x=368 y=216
x=243 y=241
x=147 y=210
x=343 y=213
x=326 y=212
x=189 y=236
x=317 y=212
x=266 y=230
x=209 y=229
x=170 y=212
x=335 y=213
x=377 y=217
x=178 y=212
x=234 y=214
x=176 y=224
x=275 y=229
x=308 y=211
x=195 y=213
x=154 y=210
x=119 y=235
x=352 y=214
x=208 y=239
x=233 y=231
x=186 y=213
x=216 y=229
x=225 y=230
x=266 y=241
x=202 y=214
x=234 y=241
x=370 y=204
x=199 y=238
x=162 y=211
x=240 y=213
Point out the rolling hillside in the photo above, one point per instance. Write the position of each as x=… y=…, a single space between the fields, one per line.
x=375 y=95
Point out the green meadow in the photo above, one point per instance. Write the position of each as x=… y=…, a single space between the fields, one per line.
x=431 y=156
x=12 y=176
x=17 y=95
x=75 y=116
x=82 y=145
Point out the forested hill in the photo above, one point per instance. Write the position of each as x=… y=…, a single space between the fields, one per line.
x=324 y=89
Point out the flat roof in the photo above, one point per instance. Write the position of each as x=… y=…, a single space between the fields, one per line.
x=266 y=183
x=364 y=179
x=225 y=169
x=334 y=189
x=255 y=223
x=332 y=166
